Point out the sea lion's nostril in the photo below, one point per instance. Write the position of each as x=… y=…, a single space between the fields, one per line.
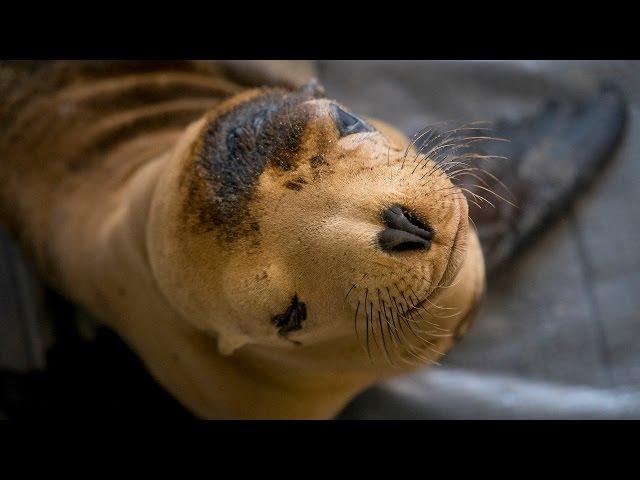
x=405 y=231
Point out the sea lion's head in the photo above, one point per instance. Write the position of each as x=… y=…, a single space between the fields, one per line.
x=284 y=219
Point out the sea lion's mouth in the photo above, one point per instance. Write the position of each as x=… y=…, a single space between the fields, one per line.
x=417 y=306
x=450 y=273
x=453 y=262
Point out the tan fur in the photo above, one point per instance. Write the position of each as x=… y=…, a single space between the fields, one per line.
x=108 y=228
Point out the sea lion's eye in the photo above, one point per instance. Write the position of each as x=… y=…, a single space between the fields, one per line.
x=348 y=123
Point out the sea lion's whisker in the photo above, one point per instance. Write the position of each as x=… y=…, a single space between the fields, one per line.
x=455 y=196
x=453 y=284
x=436 y=334
x=352 y=287
x=384 y=343
x=444 y=188
x=450 y=143
x=420 y=306
x=355 y=322
x=396 y=320
x=454 y=314
x=356 y=284
x=384 y=310
x=431 y=144
x=442 y=134
x=373 y=327
x=406 y=344
x=451 y=133
x=437 y=165
x=470 y=174
x=499 y=196
x=382 y=306
x=355 y=318
x=407 y=316
x=438 y=148
x=432 y=131
x=475 y=195
x=431 y=171
x=417 y=137
x=480 y=156
x=462 y=142
x=452 y=161
x=497 y=180
x=400 y=316
x=367 y=322
x=442 y=144
x=475 y=227
x=430 y=344
x=399 y=335
x=439 y=307
x=457 y=312
x=404 y=298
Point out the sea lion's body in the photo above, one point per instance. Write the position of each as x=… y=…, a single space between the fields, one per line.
x=140 y=194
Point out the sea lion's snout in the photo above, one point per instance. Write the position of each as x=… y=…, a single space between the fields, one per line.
x=405 y=231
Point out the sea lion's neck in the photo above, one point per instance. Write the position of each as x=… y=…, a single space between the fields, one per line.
x=112 y=275
x=79 y=115
x=306 y=382
x=74 y=131
x=116 y=282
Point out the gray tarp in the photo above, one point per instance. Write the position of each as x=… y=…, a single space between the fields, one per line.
x=558 y=335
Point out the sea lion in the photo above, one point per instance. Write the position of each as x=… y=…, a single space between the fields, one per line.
x=265 y=251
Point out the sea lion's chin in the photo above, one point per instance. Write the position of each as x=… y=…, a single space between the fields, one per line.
x=435 y=283
x=456 y=256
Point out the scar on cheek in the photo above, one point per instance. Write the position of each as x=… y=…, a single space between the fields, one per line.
x=296 y=185
x=293 y=186
x=292 y=317
x=317 y=161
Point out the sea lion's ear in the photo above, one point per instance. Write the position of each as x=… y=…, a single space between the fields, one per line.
x=312 y=89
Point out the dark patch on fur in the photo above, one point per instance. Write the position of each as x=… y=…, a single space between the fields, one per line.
x=297 y=184
x=293 y=186
x=238 y=145
x=292 y=318
x=161 y=118
x=319 y=164
x=317 y=161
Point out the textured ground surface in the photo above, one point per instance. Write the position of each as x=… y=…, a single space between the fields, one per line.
x=559 y=333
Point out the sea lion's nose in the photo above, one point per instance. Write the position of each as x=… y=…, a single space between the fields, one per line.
x=404 y=232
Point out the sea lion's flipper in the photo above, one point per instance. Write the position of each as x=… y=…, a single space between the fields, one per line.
x=550 y=157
